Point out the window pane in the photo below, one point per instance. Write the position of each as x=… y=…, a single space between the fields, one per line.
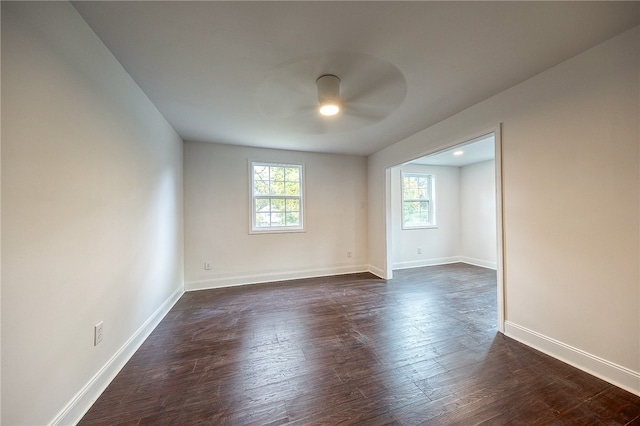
x=424 y=212
x=277 y=173
x=416 y=212
x=262 y=205
x=262 y=220
x=293 y=205
x=292 y=219
x=277 y=218
x=261 y=173
x=277 y=204
x=415 y=187
x=292 y=188
x=261 y=188
x=408 y=211
x=277 y=188
x=292 y=174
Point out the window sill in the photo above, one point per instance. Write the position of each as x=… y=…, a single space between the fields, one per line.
x=276 y=231
x=408 y=228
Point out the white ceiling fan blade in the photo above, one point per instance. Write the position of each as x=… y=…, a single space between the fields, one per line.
x=370 y=90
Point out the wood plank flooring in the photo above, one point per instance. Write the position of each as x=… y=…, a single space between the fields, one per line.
x=353 y=349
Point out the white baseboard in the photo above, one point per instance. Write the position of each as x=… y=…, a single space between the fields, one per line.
x=84 y=399
x=426 y=262
x=479 y=262
x=265 y=277
x=378 y=272
x=615 y=374
x=445 y=261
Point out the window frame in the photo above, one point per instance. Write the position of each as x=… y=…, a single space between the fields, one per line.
x=253 y=229
x=431 y=198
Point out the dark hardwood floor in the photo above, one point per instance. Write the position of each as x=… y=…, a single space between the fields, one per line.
x=353 y=349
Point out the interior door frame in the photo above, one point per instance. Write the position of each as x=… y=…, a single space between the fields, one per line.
x=500 y=275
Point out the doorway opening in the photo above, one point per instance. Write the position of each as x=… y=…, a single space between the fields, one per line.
x=446 y=207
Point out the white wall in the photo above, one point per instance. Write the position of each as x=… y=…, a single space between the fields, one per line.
x=570 y=191
x=91 y=212
x=440 y=244
x=217 y=218
x=478 y=214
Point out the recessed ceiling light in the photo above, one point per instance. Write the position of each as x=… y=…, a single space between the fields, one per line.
x=458 y=153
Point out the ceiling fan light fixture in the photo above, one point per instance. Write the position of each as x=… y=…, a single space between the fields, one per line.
x=328 y=109
x=328 y=94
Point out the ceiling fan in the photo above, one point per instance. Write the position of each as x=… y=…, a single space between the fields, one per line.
x=359 y=89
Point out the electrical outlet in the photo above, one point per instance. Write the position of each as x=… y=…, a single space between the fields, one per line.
x=349 y=253
x=207 y=265
x=98 y=333
x=419 y=250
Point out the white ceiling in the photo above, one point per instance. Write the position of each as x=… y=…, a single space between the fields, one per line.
x=476 y=151
x=244 y=72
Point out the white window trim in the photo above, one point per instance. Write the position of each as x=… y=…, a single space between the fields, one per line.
x=432 y=201
x=281 y=229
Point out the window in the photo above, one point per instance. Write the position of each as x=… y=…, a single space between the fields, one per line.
x=276 y=197
x=418 y=204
